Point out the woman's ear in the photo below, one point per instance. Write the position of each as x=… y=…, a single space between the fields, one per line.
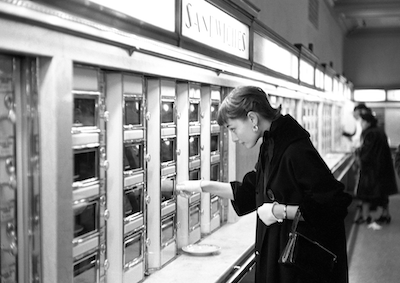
x=253 y=116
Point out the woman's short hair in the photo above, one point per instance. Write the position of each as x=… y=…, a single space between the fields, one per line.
x=370 y=118
x=244 y=99
x=362 y=108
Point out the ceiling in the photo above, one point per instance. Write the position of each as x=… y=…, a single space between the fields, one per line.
x=368 y=16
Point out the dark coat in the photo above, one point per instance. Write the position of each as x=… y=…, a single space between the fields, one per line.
x=296 y=175
x=397 y=161
x=377 y=178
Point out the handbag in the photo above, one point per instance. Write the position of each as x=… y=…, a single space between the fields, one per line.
x=307 y=255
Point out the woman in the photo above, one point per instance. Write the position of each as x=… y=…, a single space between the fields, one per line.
x=289 y=175
x=355 y=137
x=377 y=180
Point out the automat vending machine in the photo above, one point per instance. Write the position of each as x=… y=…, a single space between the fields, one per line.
x=189 y=161
x=134 y=168
x=161 y=244
x=90 y=166
x=8 y=175
x=126 y=182
x=20 y=186
x=211 y=161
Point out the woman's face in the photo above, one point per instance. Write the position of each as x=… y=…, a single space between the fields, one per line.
x=364 y=124
x=242 y=132
x=356 y=114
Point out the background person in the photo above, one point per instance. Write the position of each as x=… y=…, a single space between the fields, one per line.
x=289 y=175
x=377 y=180
x=355 y=137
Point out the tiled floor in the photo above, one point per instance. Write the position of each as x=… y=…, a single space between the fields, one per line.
x=374 y=255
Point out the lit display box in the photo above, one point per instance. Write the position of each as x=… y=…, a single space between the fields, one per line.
x=211 y=159
x=134 y=173
x=90 y=164
x=189 y=161
x=161 y=168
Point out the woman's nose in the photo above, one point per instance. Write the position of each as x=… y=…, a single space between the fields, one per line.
x=234 y=137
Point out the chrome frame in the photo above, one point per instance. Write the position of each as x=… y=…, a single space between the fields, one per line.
x=141 y=212
x=133 y=237
x=171 y=100
x=166 y=222
x=193 y=101
x=215 y=200
x=82 y=205
x=134 y=97
x=95 y=263
x=87 y=95
x=213 y=152
x=84 y=149
x=141 y=156
x=173 y=161
x=198 y=155
x=194 y=209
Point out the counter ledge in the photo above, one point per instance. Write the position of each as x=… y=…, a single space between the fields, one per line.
x=236 y=241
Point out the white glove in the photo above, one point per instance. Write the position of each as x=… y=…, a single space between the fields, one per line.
x=266 y=215
x=189 y=187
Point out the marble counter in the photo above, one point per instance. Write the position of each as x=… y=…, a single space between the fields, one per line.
x=339 y=163
x=236 y=241
x=334 y=159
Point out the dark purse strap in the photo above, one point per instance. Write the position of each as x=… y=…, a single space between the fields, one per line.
x=296 y=220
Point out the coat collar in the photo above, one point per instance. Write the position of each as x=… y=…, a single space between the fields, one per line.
x=284 y=131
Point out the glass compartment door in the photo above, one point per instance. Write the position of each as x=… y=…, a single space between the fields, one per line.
x=19 y=171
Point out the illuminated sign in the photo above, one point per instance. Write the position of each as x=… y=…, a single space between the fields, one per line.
x=205 y=23
x=369 y=95
x=393 y=95
x=306 y=72
x=275 y=57
x=160 y=13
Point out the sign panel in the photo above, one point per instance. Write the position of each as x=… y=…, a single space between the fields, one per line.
x=160 y=13
x=275 y=57
x=207 y=24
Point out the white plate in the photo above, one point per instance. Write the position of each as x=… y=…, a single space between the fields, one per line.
x=201 y=249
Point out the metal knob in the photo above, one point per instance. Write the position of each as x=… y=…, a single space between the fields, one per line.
x=10 y=230
x=106 y=214
x=106 y=264
x=148 y=199
x=103 y=200
x=106 y=116
x=105 y=164
x=12 y=249
x=9 y=101
x=10 y=166
x=102 y=248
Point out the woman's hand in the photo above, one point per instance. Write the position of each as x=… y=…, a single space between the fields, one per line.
x=265 y=212
x=189 y=187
